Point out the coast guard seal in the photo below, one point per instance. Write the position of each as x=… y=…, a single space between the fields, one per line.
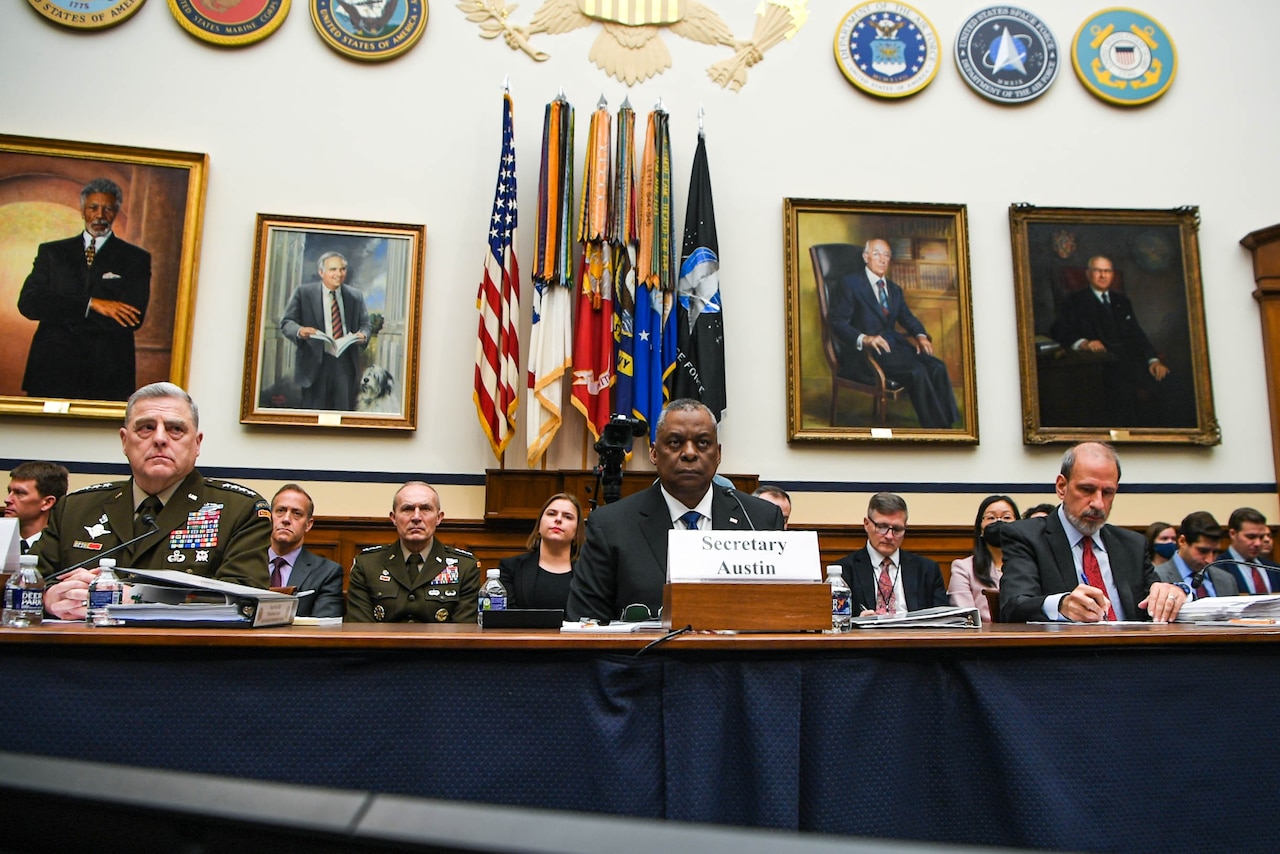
x=1007 y=54
x=887 y=49
x=1124 y=57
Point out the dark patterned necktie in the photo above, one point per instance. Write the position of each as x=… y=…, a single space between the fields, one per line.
x=884 y=296
x=414 y=563
x=277 y=572
x=335 y=316
x=90 y=251
x=150 y=506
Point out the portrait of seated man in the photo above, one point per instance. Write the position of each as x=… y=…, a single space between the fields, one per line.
x=868 y=312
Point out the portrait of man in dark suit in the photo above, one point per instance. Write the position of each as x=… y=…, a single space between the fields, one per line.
x=334 y=310
x=88 y=293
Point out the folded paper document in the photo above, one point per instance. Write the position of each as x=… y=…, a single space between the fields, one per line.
x=940 y=617
x=1220 y=609
x=158 y=597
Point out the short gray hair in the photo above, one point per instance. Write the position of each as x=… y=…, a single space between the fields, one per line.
x=102 y=185
x=162 y=389
x=686 y=404
x=886 y=503
x=326 y=256
x=1102 y=449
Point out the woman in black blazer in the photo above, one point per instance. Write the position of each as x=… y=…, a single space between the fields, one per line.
x=540 y=577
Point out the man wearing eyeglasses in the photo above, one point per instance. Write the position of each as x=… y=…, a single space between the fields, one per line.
x=623 y=562
x=885 y=578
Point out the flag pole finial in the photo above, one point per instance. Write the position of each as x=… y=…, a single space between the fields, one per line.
x=603 y=103
x=506 y=84
x=701 y=130
x=560 y=96
x=658 y=105
x=626 y=103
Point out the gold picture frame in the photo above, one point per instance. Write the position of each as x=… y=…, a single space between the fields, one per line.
x=835 y=393
x=163 y=207
x=372 y=383
x=1074 y=386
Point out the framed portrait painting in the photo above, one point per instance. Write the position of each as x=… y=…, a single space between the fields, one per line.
x=1111 y=333
x=98 y=252
x=879 y=322
x=333 y=324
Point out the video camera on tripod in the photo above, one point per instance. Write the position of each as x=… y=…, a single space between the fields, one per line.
x=614 y=444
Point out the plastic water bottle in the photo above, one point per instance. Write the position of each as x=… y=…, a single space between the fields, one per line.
x=24 y=595
x=841 y=601
x=493 y=596
x=106 y=589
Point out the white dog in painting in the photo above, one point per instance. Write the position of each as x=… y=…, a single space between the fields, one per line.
x=377 y=391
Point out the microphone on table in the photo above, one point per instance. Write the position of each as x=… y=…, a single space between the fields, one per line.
x=733 y=493
x=146 y=519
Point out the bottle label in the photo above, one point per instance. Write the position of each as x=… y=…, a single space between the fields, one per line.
x=490 y=602
x=24 y=599
x=103 y=598
x=841 y=603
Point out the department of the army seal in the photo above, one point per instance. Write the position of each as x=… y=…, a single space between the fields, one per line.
x=887 y=49
x=1007 y=54
x=230 y=23
x=87 y=14
x=1124 y=57
x=371 y=29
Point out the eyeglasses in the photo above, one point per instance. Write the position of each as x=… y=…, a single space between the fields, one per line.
x=991 y=517
x=638 y=612
x=884 y=530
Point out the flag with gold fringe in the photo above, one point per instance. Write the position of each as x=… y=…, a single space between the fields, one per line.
x=699 y=370
x=497 y=380
x=654 y=273
x=551 y=333
x=593 y=332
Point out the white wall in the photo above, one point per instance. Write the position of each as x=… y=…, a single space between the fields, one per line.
x=293 y=128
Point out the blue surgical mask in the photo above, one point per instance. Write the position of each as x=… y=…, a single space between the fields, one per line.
x=1165 y=550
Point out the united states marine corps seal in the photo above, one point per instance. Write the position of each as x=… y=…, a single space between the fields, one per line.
x=230 y=23
x=887 y=49
x=1124 y=57
x=1007 y=54
x=87 y=14
x=370 y=29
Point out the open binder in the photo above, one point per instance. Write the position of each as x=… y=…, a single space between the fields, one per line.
x=165 y=598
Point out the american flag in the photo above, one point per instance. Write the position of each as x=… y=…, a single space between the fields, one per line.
x=498 y=301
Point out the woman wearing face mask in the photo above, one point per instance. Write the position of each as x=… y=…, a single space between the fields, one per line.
x=1162 y=542
x=970 y=575
x=539 y=578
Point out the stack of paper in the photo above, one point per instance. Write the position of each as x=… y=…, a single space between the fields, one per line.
x=941 y=617
x=1219 y=609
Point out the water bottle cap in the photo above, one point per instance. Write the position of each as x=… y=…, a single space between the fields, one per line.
x=28 y=560
x=834 y=569
x=107 y=563
x=491 y=573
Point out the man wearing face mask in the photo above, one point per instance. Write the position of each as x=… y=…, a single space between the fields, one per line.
x=981 y=570
x=884 y=577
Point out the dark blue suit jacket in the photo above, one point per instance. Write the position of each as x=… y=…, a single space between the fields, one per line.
x=1271 y=568
x=921 y=580
x=312 y=572
x=854 y=310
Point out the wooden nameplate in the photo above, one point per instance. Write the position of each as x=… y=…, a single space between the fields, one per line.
x=745 y=606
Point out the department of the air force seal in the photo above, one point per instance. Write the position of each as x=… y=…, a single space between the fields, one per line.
x=230 y=23
x=1124 y=57
x=87 y=14
x=370 y=29
x=887 y=49
x=1007 y=54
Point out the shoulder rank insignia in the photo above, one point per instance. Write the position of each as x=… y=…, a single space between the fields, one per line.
x=233 y=487
x=95 y=487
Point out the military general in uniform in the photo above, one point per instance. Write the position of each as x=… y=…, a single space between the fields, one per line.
x=204 y=526
x=417 y=578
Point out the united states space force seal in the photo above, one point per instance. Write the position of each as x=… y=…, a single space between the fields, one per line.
x=1007 y=54
x=887 y=49
x=1124 y=57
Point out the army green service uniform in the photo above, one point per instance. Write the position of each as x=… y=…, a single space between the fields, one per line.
x=381 y=590
x=210 y=527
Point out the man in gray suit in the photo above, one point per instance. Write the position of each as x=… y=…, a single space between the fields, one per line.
x=316 y=580
x=624 y=559
x=332 y=309
x=1071 y=565
x=1199 y=538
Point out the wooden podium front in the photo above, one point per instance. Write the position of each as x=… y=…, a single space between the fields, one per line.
x=774 y=606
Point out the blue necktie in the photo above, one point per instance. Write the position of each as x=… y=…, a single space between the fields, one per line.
x=690 y=520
